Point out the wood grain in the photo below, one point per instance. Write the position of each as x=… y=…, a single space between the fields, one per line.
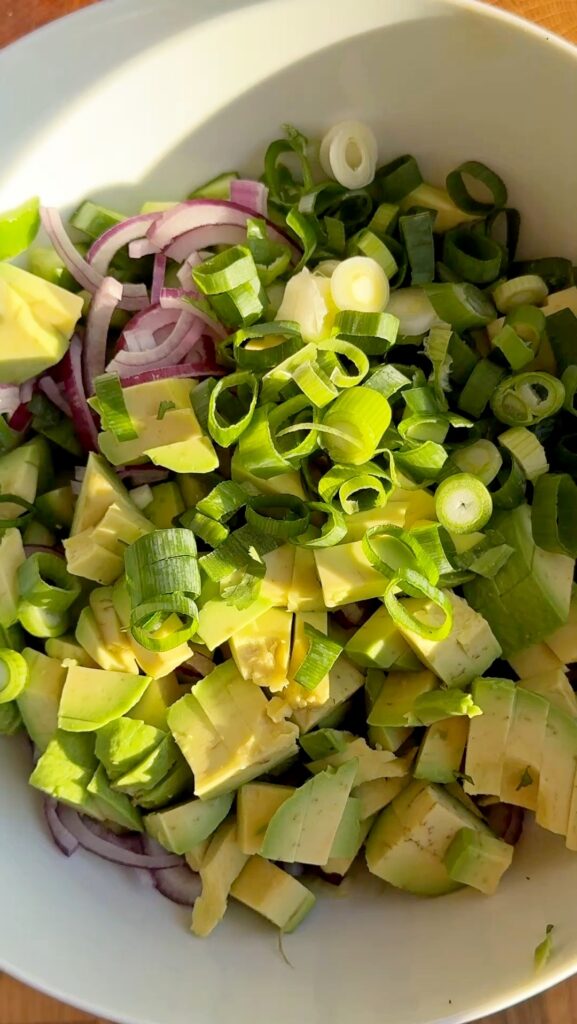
x=21 y=1005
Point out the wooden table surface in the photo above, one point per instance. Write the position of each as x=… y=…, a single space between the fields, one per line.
x=20 y=1005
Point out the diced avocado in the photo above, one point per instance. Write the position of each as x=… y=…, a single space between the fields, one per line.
x=305 y=592
x=166 y=504
x=38 y=703
x=158 y=697
x=534 y=660
x=385 y=737
x=218 y=621
x=93 y=697
x=225 y=733
x=441 y=751
x=19 y=476
x=554 y=687
x=100 y=489
x=148 y=773
x=57 y=507
x=92 y=642
x=571 y=840
x=173 y=439
x=221 y=865
x=378 y=793
x=37 y=319
x=379 y=644
x=65 y=648
x=278 y=575
x=257 y=802
x=65 y=769
x=341 y=865
x=297 y=696
x=303 y=829
x=118 y=527
x=346 y=575
x=348 y=838
x=371 y=764
x=468 y=651
x=344 y=681
x=324 y=742
x=154 y=663
x=11 y=557
x=273 y=893
x=177 y=784
x=124 y=743
x=179 y=829
x=408 y=843
x=90 y=560
x=110 y=628
x=402 y=509
x=284 y=483
x=528 y=599
x=195 y=857
x=448 y=214
x=524 y=750
x=488 y=735
x=397 y=695
x=261 y=649
x=563 y=642
x=440 y=704
x=557 y=771
x=113 y=806
x=477 y=859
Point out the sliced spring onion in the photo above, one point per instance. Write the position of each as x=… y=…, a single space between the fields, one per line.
x=271 y=258
x=315 y=384
x=463 y=359
x=556 y=271
x=367 y=243
x=422 y=462
x=414 y=311
x=362 y=492
x=436 y=348
x=480 y=387
x=516 y=351
x=372 y=333
x=13 y=675
x=472 y=256
x=242 y=551
x=319 y=659
x=42 y=622
x=209 y=530
x=200 y=400
x=257 y=451
x=526 y=450
x=294 y=411
x=562 y=334
x=282 y=516
x=528 y=290
x=44 y=581
x=284 y=188
x=330 y=484
x=384 y=219
x=15 y=499
x=481 y=459
x=463 y=504
x=569 y=381
x=18 y=228
x=360 y=284
x=529 y=322
x=360 y=417
x=554 y=513
x=387 y=380
x=348 y=153
x=307 y=230
x=482 y=174
x=223 y=501
x=163 y=579
x=463 y=306
x=262 y=346
x=424 y=427
x=511 y=490
x=439 y=548
x=225 y=271
x=527 y=398
x=223 y=432
x=391 y=550
x=417 y=235
x=415 y=585
x=111 y=406
x=507 y=223
x=489 y=562
x=397 y=178
x=216 y=188
x=353 y=354
x=331 y=532
x=307 y=301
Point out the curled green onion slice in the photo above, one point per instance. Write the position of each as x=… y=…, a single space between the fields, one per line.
x=13 y=675
x=396 y=179
x=463 y=504
x=357 y=419
x=481 y=458
x=335 y=368
x=480 y=387
x=263 y=346
x=463 y=306
x=482 y=174
x=281 y=515
x=391 y=550
x=163 y=578
x=332 y=531
x=417 y=235
x=112 y=407
x=526 y=450
x=415 y=585
x=223 y=430
x=44 y=581
x=527 y=398
x=472 y=256
x=528 y=290
x=372 y=333
x=223 y=501
x=554 y=513
x=516 y=351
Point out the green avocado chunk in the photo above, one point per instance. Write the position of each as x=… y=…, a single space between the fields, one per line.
x=65 y=769
x=221 y=864
x=93 y=697
x=124 y=743
x=38 y=703
x=273 y=893
x=477 y=859
x=441 y=751
x=179 y=829
x=113 y=806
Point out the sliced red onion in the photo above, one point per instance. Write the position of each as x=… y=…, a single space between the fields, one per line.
x=62 y=836
x=151 y=320
x=197 y=369
x=183 y=337
x=145 y=474
x=506 y=821
x=201 y=213
x=141 y=247
x=104 y=249
x=10 y=398
x=52 y=390
x=184 y=274
x=139 y=340
x=179 y=884
x=253 y=195
x=203 y=238
x=158 y=275
x=112 y=847
x=174 y=298
x=74 y=388
x=26 y=391
x=21 y=419
x=134 y=296
x=105 y=301
x=32 y=549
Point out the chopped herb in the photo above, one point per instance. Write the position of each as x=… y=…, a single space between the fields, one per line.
x=526 y=780
x=163 y=408
x=544 y=949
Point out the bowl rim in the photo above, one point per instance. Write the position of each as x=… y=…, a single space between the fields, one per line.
x=97 y=12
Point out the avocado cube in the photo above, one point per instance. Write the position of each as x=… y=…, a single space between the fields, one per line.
x=488 y=734
x=11 y=557
x=124 y=743
x=113 y=806
x=346 y=575
x=218 y=621
x=305 y=593
x=534 y=660
x=166 y=504
x=38 y=703
x=257 y=802
x=477 y=859
x=179 y=829
x=371 y=764
x=524 y=750
x=273 y=893
x=441 y=751
x=261 y=649
x=378 y=793
x=557 y=771
x=379 y=644
x=397 y=695
x=344 y=681
x=220 y=866
x=554 y=687
x=65 y=770
x=92 y=697
x=279 y=568
x=341 y=865
x=100 y=489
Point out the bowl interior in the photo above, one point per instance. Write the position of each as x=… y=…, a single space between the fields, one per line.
x=143 y=107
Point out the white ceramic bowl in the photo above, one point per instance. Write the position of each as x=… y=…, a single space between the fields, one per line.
x=140 y=99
